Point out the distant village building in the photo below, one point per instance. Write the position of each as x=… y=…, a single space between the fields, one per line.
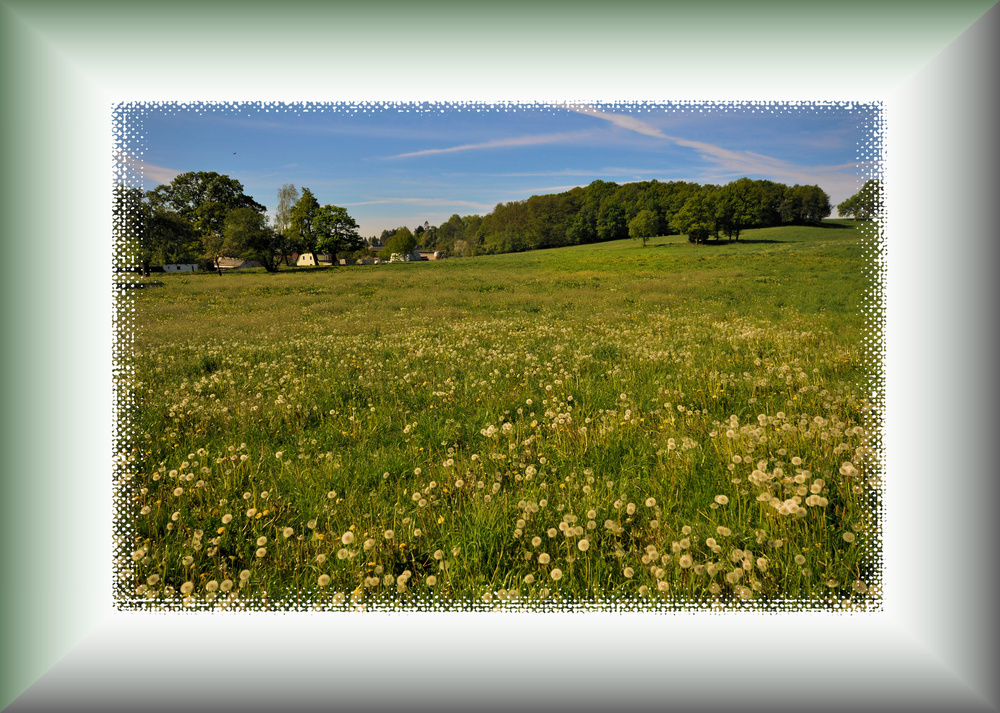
x=180 y=267
x=428 y=255
x=306 y=259
x=236 y=263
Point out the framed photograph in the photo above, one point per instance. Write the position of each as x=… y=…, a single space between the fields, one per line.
x=398 y=547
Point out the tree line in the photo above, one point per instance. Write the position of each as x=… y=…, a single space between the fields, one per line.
x=207 y=215
x=605 y=211
x=204 y=216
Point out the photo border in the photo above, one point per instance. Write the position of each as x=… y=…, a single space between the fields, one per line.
x=931 y=647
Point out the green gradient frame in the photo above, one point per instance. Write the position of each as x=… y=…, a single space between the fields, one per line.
x=66 y=64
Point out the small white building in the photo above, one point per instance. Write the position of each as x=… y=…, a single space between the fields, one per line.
x=180 y=267
x=306 y=260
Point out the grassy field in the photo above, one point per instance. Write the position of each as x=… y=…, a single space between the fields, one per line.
x=610 y=425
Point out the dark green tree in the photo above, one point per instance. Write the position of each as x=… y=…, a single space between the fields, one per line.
x=737 y=207
x=611 y=220
x=336 y=231
x=302 y=229
x=402 y=242
x=696 y=218
x=247 y=235
x=204 y=199
x=865 y=204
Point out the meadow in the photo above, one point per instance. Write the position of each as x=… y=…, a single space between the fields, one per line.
x=671 y=426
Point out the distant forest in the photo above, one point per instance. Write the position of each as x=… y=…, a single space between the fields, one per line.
x=205 y=216
x=605 y=211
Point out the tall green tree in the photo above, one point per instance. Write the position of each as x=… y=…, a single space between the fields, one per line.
x=805 y=204
x=737 y=207
x=302 y=228
x=247 y=235
x=644 y=225
x=865 y=204
x=402 y=242
x=204 y=199
x=612 y=223
x=288 y=196
x=696 y=218
x=336 y=231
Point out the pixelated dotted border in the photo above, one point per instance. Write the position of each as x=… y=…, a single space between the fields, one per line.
x=129 y=140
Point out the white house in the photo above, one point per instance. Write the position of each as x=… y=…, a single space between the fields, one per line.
x=180 y=267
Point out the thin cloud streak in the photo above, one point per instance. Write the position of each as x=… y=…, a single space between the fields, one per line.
x=737 y=163
x=500 y=143
x=422 y=201
x=144 y=170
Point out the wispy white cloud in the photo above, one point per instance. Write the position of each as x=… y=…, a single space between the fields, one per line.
x=423 y=202
x=502 y=143
x=735 y=164
x=142 y=169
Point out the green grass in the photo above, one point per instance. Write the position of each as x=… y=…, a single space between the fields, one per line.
x=472 y=405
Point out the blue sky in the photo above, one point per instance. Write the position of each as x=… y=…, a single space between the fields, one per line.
x=403 y=164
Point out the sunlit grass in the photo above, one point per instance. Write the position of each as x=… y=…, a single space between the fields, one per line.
x=672 y=425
